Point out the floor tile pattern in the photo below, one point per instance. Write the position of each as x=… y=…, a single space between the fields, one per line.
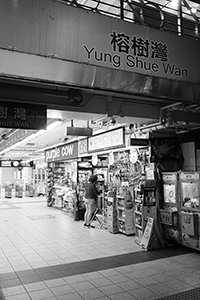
x=193 y=294
x=45 y=254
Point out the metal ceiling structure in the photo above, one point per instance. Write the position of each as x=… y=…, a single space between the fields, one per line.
x=181 y=18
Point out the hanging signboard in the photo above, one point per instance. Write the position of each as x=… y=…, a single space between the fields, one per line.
x=108 y=140
x=15 y=163
x=6 y=163
x=23 y=116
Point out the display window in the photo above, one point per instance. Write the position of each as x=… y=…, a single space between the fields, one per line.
x=169 y=193
x=190 y=190
x=190 y=195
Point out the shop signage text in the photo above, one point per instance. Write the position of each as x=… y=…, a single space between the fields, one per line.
x=115 y=45
x=139 y=142
x=23 y=116
x=64 y=152
x=136 y=53
x=82 y=146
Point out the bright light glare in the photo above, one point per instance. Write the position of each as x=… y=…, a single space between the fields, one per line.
x=32 y=136
x=174 y=4
x=35 y=158
x=193 y=10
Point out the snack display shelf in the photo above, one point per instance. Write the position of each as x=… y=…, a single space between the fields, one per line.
x=138 y=213
x=138 y=226
x=120 y=208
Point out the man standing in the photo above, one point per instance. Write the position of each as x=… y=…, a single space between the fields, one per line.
x=90 y=199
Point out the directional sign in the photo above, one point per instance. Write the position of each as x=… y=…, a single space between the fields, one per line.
x=15 y=163
x=22 y=115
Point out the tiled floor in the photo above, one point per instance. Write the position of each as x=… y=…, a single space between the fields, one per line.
x=45 y=254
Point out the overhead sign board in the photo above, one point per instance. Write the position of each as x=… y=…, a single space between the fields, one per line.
x=118 y=45
x=22 y=116
x=15 y=163
x=79 y=131
x=62 y=153
x=5 y=163
x=107 y=140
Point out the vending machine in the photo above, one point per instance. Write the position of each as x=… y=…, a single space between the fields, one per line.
x=169 y=207
x=189 y=204
x=149 y=201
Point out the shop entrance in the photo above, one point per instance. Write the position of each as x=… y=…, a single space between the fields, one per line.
x=102 y=100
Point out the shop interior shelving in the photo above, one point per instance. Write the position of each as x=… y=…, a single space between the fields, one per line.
x=58 y=169
x=138 y=194
x=50 y=183
x=139 y=226
x=58 y=173
x=112 y=221
x=61 y=193
x=121 y=214
x=125 y=212
x=58 y=196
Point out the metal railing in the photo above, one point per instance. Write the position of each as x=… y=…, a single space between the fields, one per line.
x=182 y=18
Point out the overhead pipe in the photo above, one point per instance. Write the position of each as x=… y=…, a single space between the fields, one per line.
x=160 y=124
x=151 y=127
x=168 y=107
x=163 y=123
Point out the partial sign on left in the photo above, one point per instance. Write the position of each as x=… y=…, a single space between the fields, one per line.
x=23 y=116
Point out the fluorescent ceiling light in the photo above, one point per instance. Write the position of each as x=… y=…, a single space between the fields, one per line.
x=32 y=136
x=70 y=140
x=50 y=147
x=34 y=158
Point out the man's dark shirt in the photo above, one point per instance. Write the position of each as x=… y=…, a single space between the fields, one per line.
x=91 y=191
